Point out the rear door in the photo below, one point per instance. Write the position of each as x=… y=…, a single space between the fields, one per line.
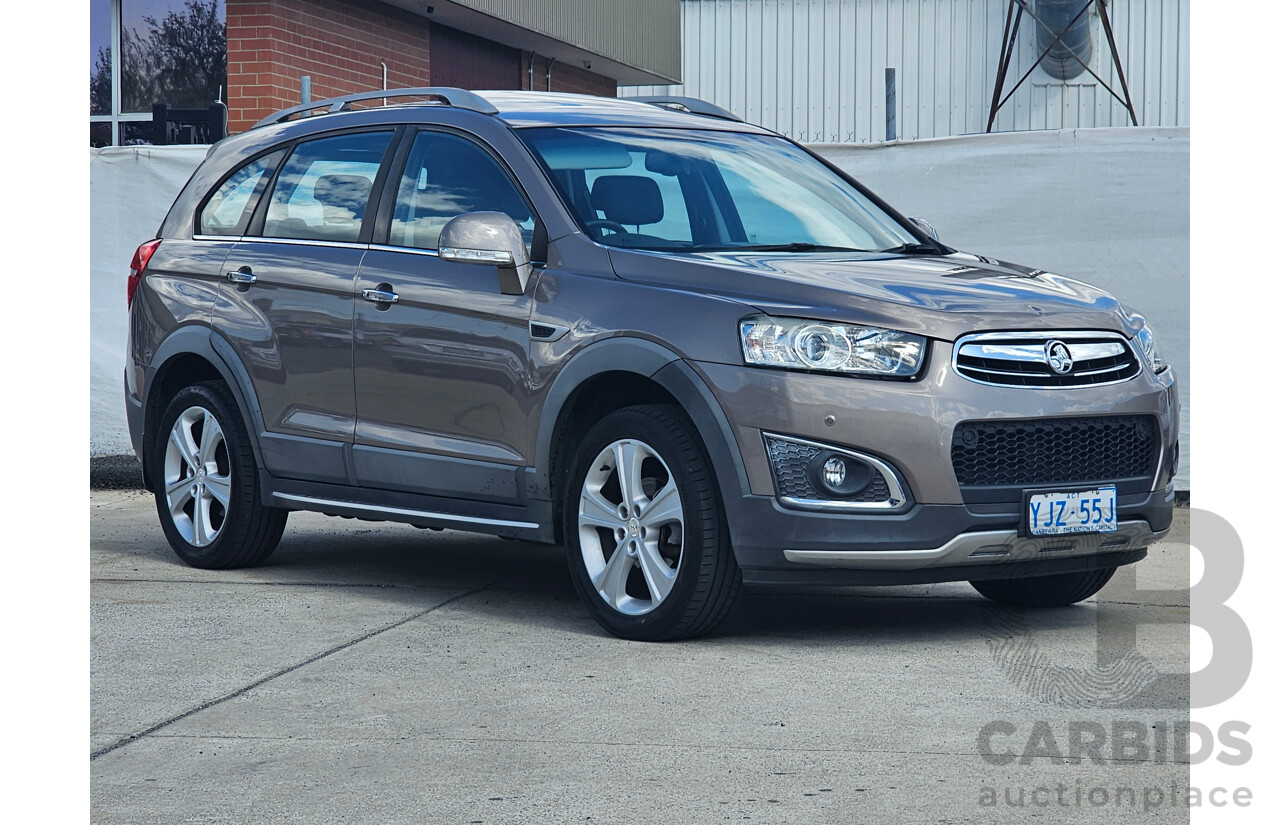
x=442 y=374
x=286 y=303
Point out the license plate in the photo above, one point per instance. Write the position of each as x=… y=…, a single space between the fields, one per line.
x=1087 y=511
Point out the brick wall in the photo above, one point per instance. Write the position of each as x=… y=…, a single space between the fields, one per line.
x=470 y=62
x=566 y=77
x=340 y=43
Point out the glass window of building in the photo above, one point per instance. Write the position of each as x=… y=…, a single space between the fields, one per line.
x=147 y=51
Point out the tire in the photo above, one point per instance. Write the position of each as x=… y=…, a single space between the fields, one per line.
x=1045 y=591
x=206 y=482
x=653 y=564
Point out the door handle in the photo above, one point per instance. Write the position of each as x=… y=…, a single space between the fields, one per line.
x=244 y=275
x=380 y=296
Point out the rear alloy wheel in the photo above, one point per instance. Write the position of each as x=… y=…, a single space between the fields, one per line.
x=1045 y=591
x=648 y=547
x=206 y=483
x=197 y=476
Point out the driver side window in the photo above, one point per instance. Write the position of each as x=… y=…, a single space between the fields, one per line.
x=446 y=176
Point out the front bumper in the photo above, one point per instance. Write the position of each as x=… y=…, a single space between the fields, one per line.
x=988 y=546
x=928 y=543
x=910 y=425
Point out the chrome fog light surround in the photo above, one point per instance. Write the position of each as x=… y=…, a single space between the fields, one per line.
x=806 y=476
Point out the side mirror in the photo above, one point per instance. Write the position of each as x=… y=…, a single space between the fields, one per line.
x=490 y=238
x=926 y=227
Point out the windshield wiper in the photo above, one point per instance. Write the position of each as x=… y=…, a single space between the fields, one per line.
x=800 y=246
x=913 y=249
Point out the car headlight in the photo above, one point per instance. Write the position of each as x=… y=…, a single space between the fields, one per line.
x=1146 y=340
x=803 y=344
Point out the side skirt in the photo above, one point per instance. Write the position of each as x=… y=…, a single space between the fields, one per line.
x=530 y=522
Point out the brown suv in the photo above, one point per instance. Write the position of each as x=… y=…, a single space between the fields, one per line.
x=685 y=347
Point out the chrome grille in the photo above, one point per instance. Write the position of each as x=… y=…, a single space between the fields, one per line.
x=1020 y=359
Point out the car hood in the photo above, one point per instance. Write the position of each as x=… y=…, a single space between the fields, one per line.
x=942 y=296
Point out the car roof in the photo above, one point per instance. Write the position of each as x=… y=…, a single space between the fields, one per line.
x=516 y=109
x=523 y=110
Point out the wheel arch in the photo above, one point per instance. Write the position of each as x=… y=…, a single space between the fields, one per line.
x=191 y=354
x=623 y=372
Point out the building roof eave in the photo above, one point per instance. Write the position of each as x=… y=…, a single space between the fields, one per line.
x=549 y=43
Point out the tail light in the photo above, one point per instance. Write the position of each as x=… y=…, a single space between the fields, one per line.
x=139 y=265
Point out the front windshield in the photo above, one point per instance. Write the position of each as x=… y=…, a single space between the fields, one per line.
x=698 y=191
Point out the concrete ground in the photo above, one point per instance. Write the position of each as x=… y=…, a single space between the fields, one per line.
x=378 y=673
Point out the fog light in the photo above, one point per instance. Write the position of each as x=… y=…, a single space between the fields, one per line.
x=833 y=472
x=839 y=476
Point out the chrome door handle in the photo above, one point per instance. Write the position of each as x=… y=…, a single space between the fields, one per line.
x=237 y=276
x=380 y=296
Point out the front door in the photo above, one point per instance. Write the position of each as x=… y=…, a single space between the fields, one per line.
x=441 y=374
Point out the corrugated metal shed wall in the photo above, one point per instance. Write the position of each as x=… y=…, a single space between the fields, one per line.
x=814 y=69
x=640 y=33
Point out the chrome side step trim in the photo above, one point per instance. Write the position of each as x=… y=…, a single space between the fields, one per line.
x=399 y=511
x=999 y=546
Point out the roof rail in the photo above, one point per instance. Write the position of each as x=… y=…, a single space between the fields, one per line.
x=691 y=105
x=457 y=98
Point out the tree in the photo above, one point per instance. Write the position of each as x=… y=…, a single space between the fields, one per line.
x=181 y=60
x=100 y=84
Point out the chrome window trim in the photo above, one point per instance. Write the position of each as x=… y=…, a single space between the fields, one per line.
x=1066 y=336
x=411 y=250
x=897 y=494
x=400 y=511
x=300 y=241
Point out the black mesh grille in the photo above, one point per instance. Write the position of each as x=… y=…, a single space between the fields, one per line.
x=790 y=462
x=1054 y=450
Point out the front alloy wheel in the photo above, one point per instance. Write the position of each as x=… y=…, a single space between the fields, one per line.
x=649 y=549
x=631 y=527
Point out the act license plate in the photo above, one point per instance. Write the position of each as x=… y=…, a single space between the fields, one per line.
x=1086 y=511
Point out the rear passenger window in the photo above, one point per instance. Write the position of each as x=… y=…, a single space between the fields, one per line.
x=446 y=176
x=323 y=190
x=228 y=211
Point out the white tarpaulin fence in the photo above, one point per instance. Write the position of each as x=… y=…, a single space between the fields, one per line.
x=130 y=189
x=1110 y=206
